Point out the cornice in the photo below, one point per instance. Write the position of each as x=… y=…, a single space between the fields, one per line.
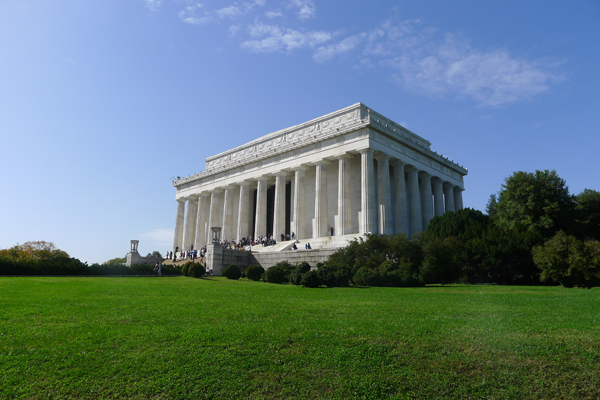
x=341 y=122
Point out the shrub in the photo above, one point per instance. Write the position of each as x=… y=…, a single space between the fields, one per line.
x=275 y=275
x=254 y=272
x=311 y=279
x=184 y=269
x=568 y=260
x=399 y=274
x=232 y=272
x=286 y=267
x=298 y=272
x=366 y=277
x=327 y=275
x=199 y=271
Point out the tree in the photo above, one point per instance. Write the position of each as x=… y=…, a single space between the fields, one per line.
x=568 y=261
x=33 y=250
x=538 y=202
x=154 y=254
x=116 y=261
x=588 y=214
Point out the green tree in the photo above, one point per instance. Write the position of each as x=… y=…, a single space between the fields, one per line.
x=588 y=214
x=154 y=254
x=567 y=260
x=538 y=202
x=117 y=260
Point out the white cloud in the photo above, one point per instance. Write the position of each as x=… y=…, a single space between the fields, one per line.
x=306 y=8
x=234 y=29
x=162 y=237
x=153 y=4
x=417 y=57
x=421 y=63
x=273 y=14
x=326 y=53
x=271 y=38
x=229 y=12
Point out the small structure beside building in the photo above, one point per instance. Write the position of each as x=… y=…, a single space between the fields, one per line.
x=133 y=257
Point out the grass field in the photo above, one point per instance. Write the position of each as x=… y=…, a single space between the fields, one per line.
x=177 y=337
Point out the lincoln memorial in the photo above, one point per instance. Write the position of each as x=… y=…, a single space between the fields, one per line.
x=327 y=181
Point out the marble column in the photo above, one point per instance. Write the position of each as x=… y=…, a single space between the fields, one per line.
x=321 y=199
x=243 y=212
x=261 y=209
x=414 y=200
x=344 y=199
x=449 y=196
x=384 y=196
x=213 y=214
x=458 y=200
x=178 y=237
x=438 y=196
x=401 y=204
x=202 y=218
x=426 y=198
x=367 y=192
x=299 y=223
x=279 y=206
x=227 y=230
x=189 y=232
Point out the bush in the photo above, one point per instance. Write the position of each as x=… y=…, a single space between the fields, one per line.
x=254 y=272
x=366 y=277
x=568 y=260
x=298 y=272
x=184 y=269
x=232 y=272
x=399 y=274
x=286 y=267
x=191 y=270
x=311 y=279
x=275 y=275
x=199 y=271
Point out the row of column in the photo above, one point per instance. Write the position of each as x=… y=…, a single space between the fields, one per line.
x=418 y=198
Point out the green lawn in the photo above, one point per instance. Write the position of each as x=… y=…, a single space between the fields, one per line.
x=178 y=337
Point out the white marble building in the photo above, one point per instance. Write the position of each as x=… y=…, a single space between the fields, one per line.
x=352 y=170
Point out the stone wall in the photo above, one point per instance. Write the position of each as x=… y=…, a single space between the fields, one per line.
x=217 y=258
x=135 y=258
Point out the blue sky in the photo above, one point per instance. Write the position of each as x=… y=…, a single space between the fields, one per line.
x=102 y=102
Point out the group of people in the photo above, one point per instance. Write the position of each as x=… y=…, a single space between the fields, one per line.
x=158 y=268
x=191 y=254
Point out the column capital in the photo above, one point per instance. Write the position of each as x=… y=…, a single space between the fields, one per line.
x=394 y=162
x=381 y=156
x=447 y=185
x=322 y=162
x=301 y=168
x=244 y=183
x=366 y=151
x=281 y=173
x=181 y=199
x=345 y=156
x=458 y=188
x=411 y=168
x=425 y=174
x=203 y=194
x=436 y=179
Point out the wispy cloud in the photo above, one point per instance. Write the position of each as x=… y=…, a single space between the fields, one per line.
x=271 y=38
x=306 y=8
x=153 y=4
x=158 y=237
x=273 y=14
x=416 y=57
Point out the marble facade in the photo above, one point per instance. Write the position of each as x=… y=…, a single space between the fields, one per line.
x=352 y=170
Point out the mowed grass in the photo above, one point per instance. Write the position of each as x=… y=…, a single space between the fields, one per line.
x=177 y=337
